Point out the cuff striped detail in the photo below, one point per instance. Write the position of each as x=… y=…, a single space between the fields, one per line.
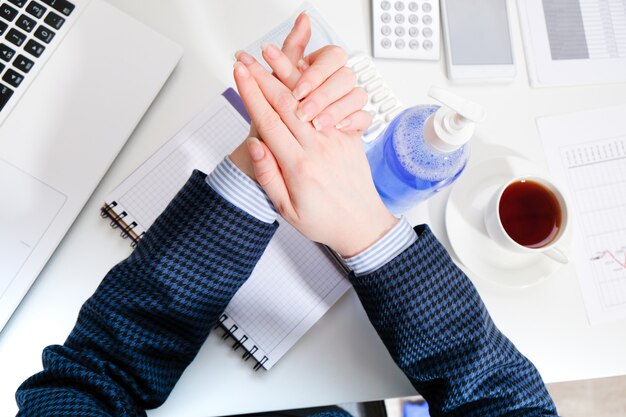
x=380 y=253
x=236 y=187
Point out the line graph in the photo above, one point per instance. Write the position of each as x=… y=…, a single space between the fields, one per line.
x=613 y=258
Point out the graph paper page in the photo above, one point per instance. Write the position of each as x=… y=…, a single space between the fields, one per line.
x=587 y=153
x=294 y=283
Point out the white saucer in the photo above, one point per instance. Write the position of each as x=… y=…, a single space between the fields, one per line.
x=467 y=233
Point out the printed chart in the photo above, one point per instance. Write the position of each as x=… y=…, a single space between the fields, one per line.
x=596 y=178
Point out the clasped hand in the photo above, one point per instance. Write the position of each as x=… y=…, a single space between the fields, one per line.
x=310 y=160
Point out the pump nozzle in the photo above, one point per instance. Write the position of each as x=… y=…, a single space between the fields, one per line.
x=453 y=123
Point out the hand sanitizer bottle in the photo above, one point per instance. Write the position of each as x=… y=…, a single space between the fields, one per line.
x=423 y=150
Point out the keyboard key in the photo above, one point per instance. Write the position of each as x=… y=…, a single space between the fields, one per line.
x=7 y=12
x=26 y=23
x=18 y=3
x=23 y=64
x=5 y=95
x=16 y=37
x=44 y=34
x=6 y=53
x=13 y=78
x=2 y=67
x=34 y=48
x=36 y=9
x=54 y=20
x=62 y=6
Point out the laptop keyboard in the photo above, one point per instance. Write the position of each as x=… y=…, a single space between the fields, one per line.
x=27 y=29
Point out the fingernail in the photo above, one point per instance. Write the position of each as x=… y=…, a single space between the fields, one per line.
x=322 y=121
x=244 y=57
x=306 y=111
x=256 y=150
x=241 y=69
x=343 y=124
x=271 y=50
x=302 y=90
x=302 y=65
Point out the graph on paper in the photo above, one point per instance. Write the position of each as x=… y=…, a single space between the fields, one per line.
x=596 y=177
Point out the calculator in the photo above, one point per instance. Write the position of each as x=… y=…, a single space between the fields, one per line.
x=406 y=29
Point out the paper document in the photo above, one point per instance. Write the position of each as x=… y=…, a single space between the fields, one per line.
x=574 y=41
x=586 y=153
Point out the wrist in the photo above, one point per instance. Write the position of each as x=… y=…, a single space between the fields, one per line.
x=241 y=158
x=367 y=235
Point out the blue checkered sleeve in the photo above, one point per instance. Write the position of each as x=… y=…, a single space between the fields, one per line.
x=150 y=315
x=434 y=324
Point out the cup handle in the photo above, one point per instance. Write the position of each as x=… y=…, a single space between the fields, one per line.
x=557 y=255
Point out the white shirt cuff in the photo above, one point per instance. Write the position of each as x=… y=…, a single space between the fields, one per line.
x=240 y=190
x=384 y=250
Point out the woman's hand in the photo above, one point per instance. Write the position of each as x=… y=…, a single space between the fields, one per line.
x=321 y=80
x=319 y=180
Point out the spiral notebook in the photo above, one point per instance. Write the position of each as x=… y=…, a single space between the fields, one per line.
x=295 y=282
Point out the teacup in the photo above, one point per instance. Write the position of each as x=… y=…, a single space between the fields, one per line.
x=528 y=214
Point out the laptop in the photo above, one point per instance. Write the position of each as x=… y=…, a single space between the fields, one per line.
x=75 y=79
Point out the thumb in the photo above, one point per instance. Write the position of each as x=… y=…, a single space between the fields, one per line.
x=269 y=176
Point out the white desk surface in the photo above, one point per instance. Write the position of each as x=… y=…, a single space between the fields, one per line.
x=341 y=359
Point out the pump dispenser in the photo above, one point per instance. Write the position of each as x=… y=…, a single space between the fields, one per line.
x=423 y=150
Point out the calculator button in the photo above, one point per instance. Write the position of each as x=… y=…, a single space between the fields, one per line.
x=428 y=45
x=385 y=43
x=5 y=95
x=18 y=3
x=13 y=78
x=385 y=5
x=400 y=31
x=385 y=17
x=385 y=30
x=26 y=23
x=427 y=19
x=400 y=44
x=399 y=6
x=3 y=27
x=413 y=19
x=399 y=18
x=44 y=34
x=413 y=6
x=6 y=53
x=23 y=64
x=414 y=44
x=36 y=9
x=427 y=7
x=34 y=48
x=16 y=37
x=7 y=12
x=413 y=32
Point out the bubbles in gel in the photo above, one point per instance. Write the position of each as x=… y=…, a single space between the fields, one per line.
x=407 y=170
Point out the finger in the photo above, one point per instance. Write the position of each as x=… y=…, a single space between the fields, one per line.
x=269 y=176
x=359 y=121
x=336 y=112
x=281 y=100
x=333 y=89
x=322 y=64
x=267 y=121
x=284 y=69
x=295 y=43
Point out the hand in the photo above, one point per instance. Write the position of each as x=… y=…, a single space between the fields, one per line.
x=321 y=78
x=319 y=180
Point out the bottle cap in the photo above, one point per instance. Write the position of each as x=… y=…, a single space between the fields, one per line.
x=454 y=122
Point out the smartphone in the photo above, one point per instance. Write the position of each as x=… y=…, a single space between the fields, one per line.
x=477 y=39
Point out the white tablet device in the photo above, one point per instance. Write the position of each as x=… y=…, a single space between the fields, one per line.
x=477 y=40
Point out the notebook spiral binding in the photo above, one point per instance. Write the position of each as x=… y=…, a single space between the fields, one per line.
x=240 y=342
x=118 y=221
